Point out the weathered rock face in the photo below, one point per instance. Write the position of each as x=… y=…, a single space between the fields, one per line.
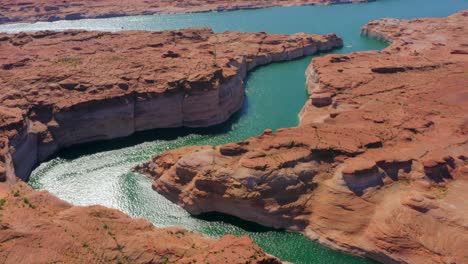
x=36 y=227
x=59 y=89
x=378 y=166
x=51 y=10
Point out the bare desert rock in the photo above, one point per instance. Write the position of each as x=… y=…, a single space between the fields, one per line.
x=378 y=165
x=36 y=227
x=64 y=88
x=59 y=89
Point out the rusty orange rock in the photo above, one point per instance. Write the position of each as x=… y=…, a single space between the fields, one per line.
x=36 y=227
x=63 y=88
x=377 y=166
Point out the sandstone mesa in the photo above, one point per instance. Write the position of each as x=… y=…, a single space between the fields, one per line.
x=12 y=11
x=59 y=89
x=378 y=165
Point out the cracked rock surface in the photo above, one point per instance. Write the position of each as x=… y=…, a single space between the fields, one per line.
x=377 y=167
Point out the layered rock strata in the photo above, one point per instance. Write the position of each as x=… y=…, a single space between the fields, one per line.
x=63 y=88
x=59 y=89
x=12 y=11
x=378 y=166
x=37 y=227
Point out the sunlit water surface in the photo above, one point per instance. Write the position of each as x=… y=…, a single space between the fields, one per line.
x=99 y=173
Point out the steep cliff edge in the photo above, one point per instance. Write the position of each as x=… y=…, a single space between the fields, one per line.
x=12 y=11
x=378 y=166
x=59 y=89
x=37 y=227
x=63 y=88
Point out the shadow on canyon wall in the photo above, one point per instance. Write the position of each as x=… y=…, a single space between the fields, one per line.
x=243 y=224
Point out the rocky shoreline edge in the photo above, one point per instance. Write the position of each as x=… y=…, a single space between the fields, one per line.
x=378 y=166
x=65 y=88
x=68 y=105
x=54 y=10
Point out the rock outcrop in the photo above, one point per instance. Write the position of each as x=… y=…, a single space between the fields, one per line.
x=36 y=227
x=12 y=11
x=378 y=166
x=59 y=89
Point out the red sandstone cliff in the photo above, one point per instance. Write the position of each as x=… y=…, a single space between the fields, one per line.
x=63 y=88
x=378 y=166
x=36 y=227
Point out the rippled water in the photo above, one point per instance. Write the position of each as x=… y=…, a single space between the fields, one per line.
x=99 y=173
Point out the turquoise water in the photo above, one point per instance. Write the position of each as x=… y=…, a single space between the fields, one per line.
x=99 y=173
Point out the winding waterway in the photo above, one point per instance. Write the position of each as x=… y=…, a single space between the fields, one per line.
x=99 y=173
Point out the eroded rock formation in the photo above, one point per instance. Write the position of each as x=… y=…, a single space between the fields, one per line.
x=51 y=10
x=378 y=166
x=36 y=227
x=63 y=88
x=59 y=89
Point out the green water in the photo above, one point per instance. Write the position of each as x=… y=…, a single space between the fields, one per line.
x=99 y=173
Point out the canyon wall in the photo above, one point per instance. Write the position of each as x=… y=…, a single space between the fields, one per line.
x=37 y=227
x=59 y=89
x=378 y=165
x=68 y=88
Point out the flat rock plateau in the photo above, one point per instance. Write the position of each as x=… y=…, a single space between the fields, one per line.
x=12 y=11
x=378 y=165
x=59 y=89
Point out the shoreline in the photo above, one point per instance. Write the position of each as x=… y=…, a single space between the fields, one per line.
x=325 y=98
x=61 y=123
x=75 y=108
x=347 y=163
x=198 y=6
